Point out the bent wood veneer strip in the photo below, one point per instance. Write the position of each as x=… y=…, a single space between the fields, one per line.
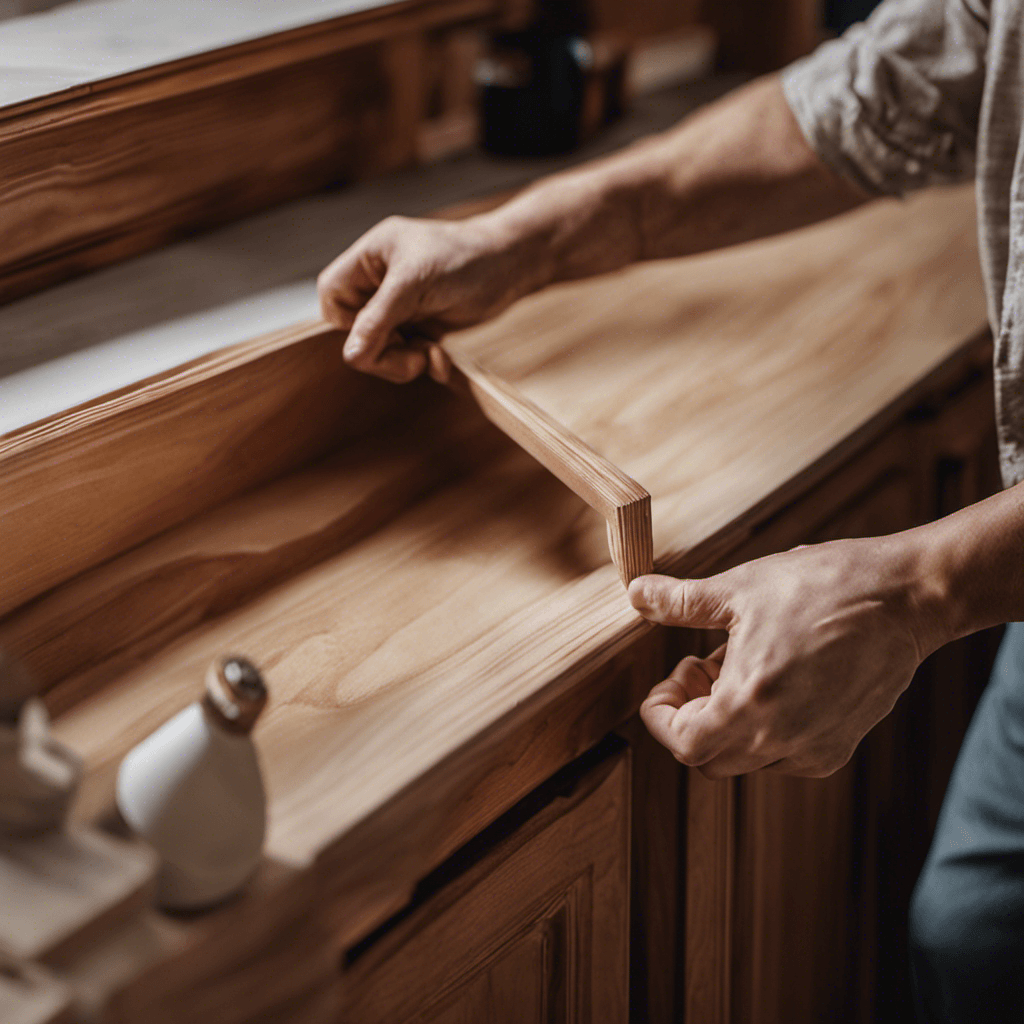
x=618 y=498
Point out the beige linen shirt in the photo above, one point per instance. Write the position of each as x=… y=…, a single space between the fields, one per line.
x=931 y=92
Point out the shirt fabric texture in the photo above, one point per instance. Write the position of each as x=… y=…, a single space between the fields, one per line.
x=931 y=92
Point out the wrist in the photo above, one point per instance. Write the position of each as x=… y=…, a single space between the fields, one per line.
x=936 y=598
x=574 y=225
x=523 y=243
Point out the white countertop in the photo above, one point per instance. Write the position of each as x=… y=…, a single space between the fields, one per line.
x=91 y=40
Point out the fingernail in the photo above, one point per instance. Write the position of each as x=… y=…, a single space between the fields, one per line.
x=638 y=594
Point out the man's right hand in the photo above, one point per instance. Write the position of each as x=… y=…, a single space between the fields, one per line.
x=406 y=281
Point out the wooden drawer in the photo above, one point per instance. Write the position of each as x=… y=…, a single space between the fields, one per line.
x=535 y=929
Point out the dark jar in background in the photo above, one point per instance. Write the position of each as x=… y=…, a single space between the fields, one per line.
x=532 y=83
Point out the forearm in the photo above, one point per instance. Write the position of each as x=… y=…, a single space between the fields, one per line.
x=737 y=170
x=971 y=568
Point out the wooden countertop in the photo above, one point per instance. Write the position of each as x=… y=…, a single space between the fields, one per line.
x=423 y=675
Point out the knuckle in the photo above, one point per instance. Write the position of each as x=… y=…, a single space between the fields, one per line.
x=685 y=756
x=393 y=225
x=688 y=664
x=687 y=751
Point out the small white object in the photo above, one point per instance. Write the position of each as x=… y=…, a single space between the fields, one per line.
x=193 y=790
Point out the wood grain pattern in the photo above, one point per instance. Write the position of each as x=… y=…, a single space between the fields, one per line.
x=110 y=618
x=536 y=931
x=704 y=378
x=84 y=486
x=710 y=899
x=108 y=169
x=658 y=860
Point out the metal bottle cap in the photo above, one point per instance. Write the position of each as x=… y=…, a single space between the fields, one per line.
x=235 y=693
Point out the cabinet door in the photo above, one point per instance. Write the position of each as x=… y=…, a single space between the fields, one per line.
x=534 y=932
x=777 y=866
x=801 y=856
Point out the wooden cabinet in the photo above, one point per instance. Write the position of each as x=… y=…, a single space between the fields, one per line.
x=533 y=930
x=442 y=632
x=797 y=889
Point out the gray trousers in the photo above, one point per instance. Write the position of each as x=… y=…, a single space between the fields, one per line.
x=967 y=912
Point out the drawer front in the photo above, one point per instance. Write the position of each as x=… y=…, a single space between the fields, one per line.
x=536 y=930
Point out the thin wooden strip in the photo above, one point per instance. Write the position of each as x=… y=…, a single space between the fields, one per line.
x=624 y=504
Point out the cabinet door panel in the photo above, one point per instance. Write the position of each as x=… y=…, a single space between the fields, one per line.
x=800 y=862
x=535 y=931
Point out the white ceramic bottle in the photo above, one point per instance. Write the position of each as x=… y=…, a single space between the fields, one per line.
x=194 y=791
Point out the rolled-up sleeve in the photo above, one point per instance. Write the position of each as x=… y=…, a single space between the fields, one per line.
x=894 y=103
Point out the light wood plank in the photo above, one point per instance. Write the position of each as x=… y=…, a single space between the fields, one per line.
x=82 y=487
x=705 y=378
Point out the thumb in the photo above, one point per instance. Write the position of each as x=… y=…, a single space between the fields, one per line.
x=702 y=604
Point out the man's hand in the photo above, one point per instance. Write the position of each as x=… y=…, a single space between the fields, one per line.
x=738 y=169
x=406 y=281
x=822 y=640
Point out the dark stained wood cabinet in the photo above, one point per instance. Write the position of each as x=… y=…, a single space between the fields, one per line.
x=534 y=932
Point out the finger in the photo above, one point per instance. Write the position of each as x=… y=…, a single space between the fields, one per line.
x=812 y=764
x=375 y=327
x=346 y=285
x=400 y=364
x=731 y=762
x=702 y=604
x=713 y=662
x=694 y=730
x=691 y=678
